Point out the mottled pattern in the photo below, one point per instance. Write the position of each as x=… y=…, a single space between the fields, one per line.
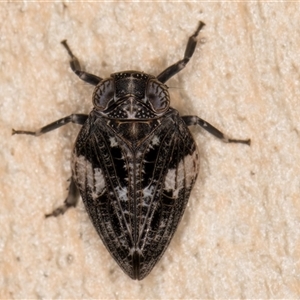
x=135 y=178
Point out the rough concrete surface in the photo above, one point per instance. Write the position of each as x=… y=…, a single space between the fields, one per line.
x=240 y=235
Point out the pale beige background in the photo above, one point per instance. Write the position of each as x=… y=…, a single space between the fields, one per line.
x=240 y=235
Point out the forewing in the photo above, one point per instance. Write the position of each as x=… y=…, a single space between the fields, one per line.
x=170 y=167
x=135 y=196
x=99 y=168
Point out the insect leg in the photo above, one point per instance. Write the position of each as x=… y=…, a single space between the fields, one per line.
x=194 y=120
x=75 y=66
x=189 y=51
x=71 y=201
x=74 y=118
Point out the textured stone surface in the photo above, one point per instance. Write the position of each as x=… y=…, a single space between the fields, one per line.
x=240 y=236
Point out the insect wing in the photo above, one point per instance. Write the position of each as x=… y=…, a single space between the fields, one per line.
x=136 y=196
x=170 y=167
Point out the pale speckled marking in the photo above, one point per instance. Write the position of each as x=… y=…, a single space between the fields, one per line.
x=184 y=175
x=79 y=164
x=99 y=183
x=191 y=165
x=122 y=193
x=170 y=180
x=148 y=192
x=113 y=141
x=154 y=142
x=147 y=195
x=135 y=249
x=86 y=174
x=177 y=179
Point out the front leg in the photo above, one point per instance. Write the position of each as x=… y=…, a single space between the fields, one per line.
x=76 y=68
x=189 y=51
x=194 y=120
x=74 y=118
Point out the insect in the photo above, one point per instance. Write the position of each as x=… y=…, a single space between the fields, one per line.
x=134 y=162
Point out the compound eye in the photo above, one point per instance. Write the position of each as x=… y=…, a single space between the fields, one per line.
x=103 y=94
x=158 y=96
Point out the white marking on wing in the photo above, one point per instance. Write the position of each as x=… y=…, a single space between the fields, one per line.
x=155 y=141
x=175 y=179
x=79 y=170
x=85 y=174
x=113 y=141
x=122 y=193
x=191 y=166
x=147 y=195
x=170 y=180
x=183 y=176
x=99 y=183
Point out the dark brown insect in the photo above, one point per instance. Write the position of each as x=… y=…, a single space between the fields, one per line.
x=134 y=163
